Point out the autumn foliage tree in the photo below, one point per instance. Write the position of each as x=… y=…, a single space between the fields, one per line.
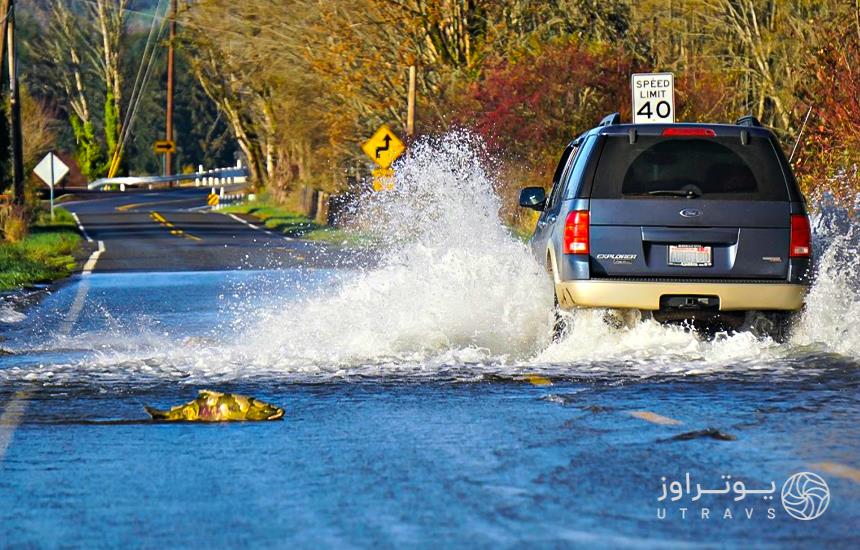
x=304 y=84
x=829 y=155
x=571 y=85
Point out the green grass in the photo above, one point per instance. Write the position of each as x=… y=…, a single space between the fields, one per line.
x=292 y=224
x=277 y=218
x=45 y=255
x=520 y=233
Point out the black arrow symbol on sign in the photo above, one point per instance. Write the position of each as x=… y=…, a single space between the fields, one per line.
x=387 y=140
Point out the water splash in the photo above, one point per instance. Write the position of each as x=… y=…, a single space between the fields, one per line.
x=456 y=287
x=9 y=315
x=831 y=320
x=457 y=296
x=452 y=277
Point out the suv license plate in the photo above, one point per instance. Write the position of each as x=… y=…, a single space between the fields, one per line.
x=690 y=255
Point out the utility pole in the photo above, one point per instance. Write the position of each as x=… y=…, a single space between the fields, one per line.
x=410 y=104
x=4 y=122
x=857 y=17
x=4 y=9
x=15 y=108
x=168 y=157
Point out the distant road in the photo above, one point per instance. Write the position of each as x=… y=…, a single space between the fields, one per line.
x=170 y=230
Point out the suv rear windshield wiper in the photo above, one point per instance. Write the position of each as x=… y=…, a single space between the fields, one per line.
x=689 y=193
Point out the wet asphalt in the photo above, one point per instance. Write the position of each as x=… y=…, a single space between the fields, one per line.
x=409 y=452
x=175 y=230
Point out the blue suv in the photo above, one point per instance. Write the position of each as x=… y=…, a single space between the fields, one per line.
x=696 y=222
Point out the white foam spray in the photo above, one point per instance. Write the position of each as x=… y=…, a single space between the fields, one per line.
x=457 y=287
x=831 y=319
x=452 y=279
x=456 y=291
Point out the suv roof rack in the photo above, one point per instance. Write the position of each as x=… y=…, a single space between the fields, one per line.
x=748 y=120
x=610 y=120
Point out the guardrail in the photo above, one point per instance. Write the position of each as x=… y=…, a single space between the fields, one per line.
x=215 y=176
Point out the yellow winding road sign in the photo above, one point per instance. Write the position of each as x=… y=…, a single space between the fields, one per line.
x=384 y=147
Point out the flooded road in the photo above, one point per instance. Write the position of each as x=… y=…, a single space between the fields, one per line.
x=443 y=451
x=425 y=404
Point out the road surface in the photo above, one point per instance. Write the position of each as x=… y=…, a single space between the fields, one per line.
x=423 y=408
x=172 y=230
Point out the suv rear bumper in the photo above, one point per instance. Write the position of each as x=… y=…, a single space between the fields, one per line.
x=646 y=295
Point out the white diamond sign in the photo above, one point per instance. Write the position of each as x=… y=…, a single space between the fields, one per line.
x=51 y=169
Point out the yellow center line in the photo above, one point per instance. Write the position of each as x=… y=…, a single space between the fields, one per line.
x=127 y=207
x=839 y=470
x=655 y=418
x=537 y=380
x=175 y=232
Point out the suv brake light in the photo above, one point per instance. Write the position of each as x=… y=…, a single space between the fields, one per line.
x=801 y=237
x=699 y=132
x=576 y=232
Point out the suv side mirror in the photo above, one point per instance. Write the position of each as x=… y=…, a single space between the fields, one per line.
x=533 y=197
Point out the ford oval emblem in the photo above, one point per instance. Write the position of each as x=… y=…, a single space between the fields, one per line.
x=691 y=212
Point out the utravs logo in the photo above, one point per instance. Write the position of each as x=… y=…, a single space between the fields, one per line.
x=805 y=496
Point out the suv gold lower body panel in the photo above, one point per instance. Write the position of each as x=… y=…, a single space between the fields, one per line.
x=646 y=294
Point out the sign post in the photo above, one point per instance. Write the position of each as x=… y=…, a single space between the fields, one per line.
x=653 y=98
x=51 y=170
x=383 y=148
x=165 y=147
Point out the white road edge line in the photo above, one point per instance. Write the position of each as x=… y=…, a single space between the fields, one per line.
x=75 y=310
x=12 y=415
x=94 y=257
x=81 y=295
x=258 y=228
x=81 y=228
x=14 y=411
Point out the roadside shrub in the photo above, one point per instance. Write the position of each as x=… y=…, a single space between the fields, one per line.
x=533 y=106
x=14 y=222
x=527 y=109
x=829 y=155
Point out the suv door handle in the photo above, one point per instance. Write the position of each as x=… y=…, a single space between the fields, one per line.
x=549 y=219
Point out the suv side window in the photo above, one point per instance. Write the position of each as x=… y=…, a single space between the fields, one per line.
x=574 y=176
x=558 y=179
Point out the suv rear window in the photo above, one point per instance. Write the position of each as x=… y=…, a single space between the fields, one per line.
x=710 y=168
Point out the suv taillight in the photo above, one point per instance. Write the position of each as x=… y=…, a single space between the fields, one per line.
x=801 y=237
x=576 y=232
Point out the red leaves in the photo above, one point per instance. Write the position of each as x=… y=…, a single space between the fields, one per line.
x=832 y=141
x=537 y=103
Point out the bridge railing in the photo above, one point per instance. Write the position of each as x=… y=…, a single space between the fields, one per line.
x=214 y=176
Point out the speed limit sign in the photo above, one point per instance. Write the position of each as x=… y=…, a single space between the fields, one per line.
x=653 y=98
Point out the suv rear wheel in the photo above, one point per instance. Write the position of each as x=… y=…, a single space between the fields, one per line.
x=773 y=324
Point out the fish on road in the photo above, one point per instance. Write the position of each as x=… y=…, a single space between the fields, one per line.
x=212 y=406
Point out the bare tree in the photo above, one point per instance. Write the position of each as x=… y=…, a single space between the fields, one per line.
x=81 y=50
x=106 y=55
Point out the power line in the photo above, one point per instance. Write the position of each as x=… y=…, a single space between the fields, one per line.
x=146 y=47
x=131 y=114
